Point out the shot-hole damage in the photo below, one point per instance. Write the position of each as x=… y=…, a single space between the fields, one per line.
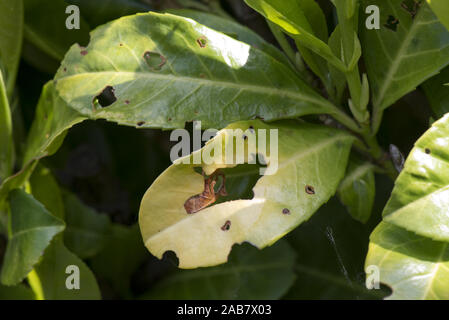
x=140 y=123
x=171 y=258
x=427 y=151
x=209 y=195
x=154 y=60
x=106 y=97
x=309 y=189
x=392 y=23
x=202 y=42
x=226 y=226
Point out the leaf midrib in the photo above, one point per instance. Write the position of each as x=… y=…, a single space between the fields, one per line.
x=297 y=95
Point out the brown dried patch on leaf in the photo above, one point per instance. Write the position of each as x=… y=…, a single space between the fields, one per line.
x=208 y=196
x=154 y=60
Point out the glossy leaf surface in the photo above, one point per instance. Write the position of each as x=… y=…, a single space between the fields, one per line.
x=136 y=74
x=420 y=199
x=312 y=161
x=414 y=267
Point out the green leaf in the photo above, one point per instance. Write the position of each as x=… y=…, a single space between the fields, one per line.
x=6 y=138
x=437 y=92
x=399 y=60
x=318 y=25
x=357 y=190
x=420 y=198
x=32 y=228
x=53 y=119
x=133 y=73
x=441 y=9
x=232 y=29
x=19 y=292
x=86 y=230
x=45 y=189
x=51 y=275
x=122 y=254
x=338 y=78
x=250 y=274
x=11 y=25
x=413 y=266
x=312 y=161
x=290 y=16
x=51 y=35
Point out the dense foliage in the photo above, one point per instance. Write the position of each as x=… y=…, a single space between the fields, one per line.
x=363 y=148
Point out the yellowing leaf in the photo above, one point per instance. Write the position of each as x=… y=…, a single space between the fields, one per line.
x=311 y=162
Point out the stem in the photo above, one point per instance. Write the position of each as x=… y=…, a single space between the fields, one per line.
x=280 y=38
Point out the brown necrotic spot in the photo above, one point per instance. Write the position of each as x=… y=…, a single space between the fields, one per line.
x=202 y=42
x=226 y=226
x=285 y=211
x=106 y=97
x=411 y=6
x=140 y=123
x=154 y=60
x=310 y=190
x=427 y=150
x=126 y=101
x=83 y=52
x=392 y=23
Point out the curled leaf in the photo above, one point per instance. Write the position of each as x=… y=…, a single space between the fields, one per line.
x=311 y=162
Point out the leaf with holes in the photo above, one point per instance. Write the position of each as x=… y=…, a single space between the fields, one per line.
x=174 y=214
x=267 y=274
x=410 y=47
x=32 y=228
x=441 y=9
x=420 y=198
x=357 y=190
x=11 y=26
x=161 y=71
x=414 y=267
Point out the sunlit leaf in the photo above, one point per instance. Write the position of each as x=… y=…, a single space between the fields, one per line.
x=161 y=70
x=413 y=266
x=312 y=161
x=420 y=199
